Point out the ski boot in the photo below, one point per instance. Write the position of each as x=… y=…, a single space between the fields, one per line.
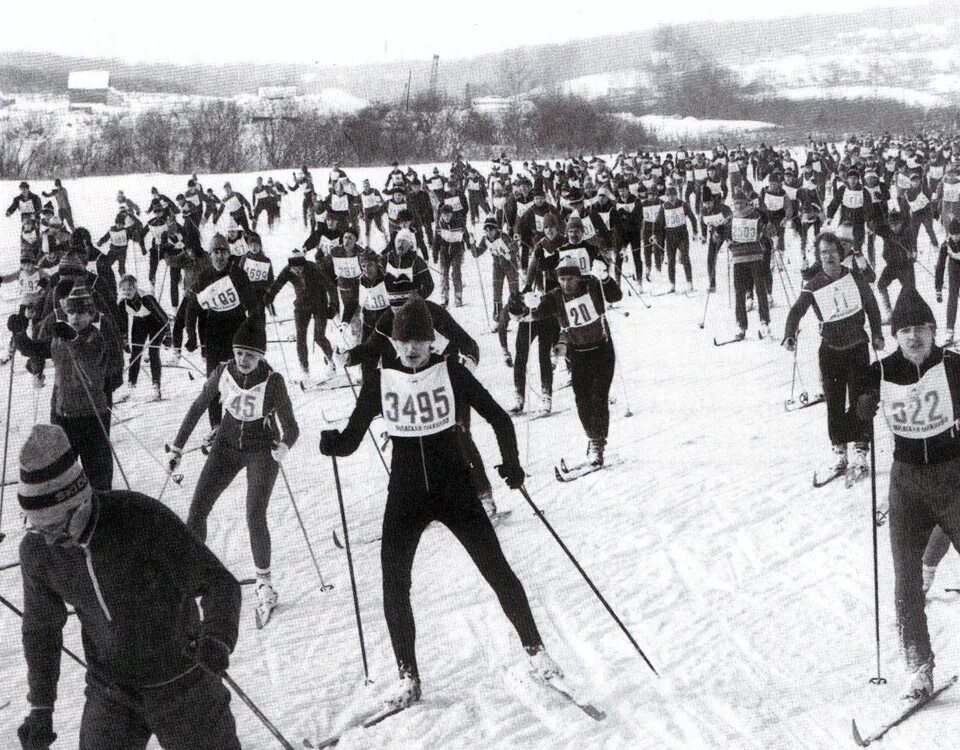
x=920 y=683
x=673 y=289
x=949 y=340
x=517 y=408
x=929 y=571
x=458 y=302
x=407 y=692
x=741 y=334
x=489 y=507
x=546 y=404
x=507 y=359
x=542 y=666
x=157 y=396
x=207 y=443
x=126 y=394
x=173 y=358
x=266 y=603
x=689 y=287
x=858 y=468
x=765 y=330
x=595 y=452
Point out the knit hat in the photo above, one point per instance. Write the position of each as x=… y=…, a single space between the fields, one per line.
x=954 y=227
x=219 y=242
x=79 y=297
x=551 y=220
x=412 y=321
x=51 y=480
x=574 y=222
x=911 y=310
x=405 y=235
x=491 y=223
x=250 y=336
x=568 y=267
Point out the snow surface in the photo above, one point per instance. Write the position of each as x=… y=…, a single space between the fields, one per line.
x=905 y=95
x=669 y=127
x=750 y=592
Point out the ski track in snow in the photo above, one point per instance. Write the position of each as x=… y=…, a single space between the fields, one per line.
x=749 y=591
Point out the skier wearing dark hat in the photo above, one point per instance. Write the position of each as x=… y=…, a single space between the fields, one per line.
x=132 y=573
x=579 y=304
x=899 y=251
x=257 y=266
x=672 y=235
x=747 y=249
x=422 y=397
x=918 y=387
x=949 y=256
x=504 y=258
x=26 y=203
x=855 y=205
x=450 y=237
x=403 y=269
x=257 y=431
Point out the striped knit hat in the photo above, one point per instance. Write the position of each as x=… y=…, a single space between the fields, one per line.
x=51 y=480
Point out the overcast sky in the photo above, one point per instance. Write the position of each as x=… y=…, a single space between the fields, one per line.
x=331 y=32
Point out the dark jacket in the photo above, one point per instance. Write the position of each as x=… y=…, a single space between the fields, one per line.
x=133 y=584
x=314 y=291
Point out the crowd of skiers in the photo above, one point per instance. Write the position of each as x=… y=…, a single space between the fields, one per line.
x=561 y=239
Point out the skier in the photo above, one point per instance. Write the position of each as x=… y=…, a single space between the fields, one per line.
x=132 y=572
x=842 y=301
x=949 y=251
x=64 y=211
x=671 y=233
x=899 y=251
x=236 y=206
x=579 y=305
x=400 y=261
x=504 y=259
x=258 y=268
x=746 y=247
x=926 y=466
x=257 y=431
x=345 y=259
x=142 y=322
x=26 y=203
x=449 y=239
x=429 y=481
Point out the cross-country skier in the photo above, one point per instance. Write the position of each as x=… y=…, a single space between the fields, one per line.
x=949 y=256
x=143 y=324
x=421 y=397
x=132 y=573
x=26 y=203
x=257 y=431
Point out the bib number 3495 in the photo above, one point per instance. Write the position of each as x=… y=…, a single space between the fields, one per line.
x=420 y=408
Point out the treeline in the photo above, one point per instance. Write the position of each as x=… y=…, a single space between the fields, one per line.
x=223 y=136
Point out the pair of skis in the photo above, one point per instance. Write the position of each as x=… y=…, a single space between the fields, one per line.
x=900 y=717
x=735 y=340
x=564 y=473
x=851 y=475
x=803 y=401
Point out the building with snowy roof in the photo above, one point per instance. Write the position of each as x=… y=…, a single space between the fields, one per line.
x=85 y=87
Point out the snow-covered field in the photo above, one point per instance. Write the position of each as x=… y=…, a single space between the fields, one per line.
x=676 y=129
x=750 y=592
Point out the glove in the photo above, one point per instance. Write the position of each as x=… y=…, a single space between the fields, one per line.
x=36 y=732
x=175 y=459
x=17 y=324
x=332 y=311
x=878 y=343
x=559 y=351
x=532 y=300
x=167 y=340
x=599 y=269
x=512 y=474
x=143 y=251
x=126 y=348
x=328 y=442
x=212 y=654
x=191 y=345
x=867 y=406
x=279 y=452
x=469 y=362
x=63 y=330
x=939 y=296
x=790 y=344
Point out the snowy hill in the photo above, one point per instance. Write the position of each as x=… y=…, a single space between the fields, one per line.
x=750 y=592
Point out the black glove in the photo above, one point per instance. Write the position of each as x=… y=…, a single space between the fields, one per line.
x=17 y=324
x=63 y=330
x=512 y=474
x=332 y=311
x=191 y=345
x=867 y=406
x=63 y=287
x=36 y=732
x=328 y=442
x=212 y=654
x=126 y=348
x=44 y=282
x=167 y=340
x=939 y=296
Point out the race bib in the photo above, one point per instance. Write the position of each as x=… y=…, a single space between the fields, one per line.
x=903 y=181
x=922 y=410
x=935 y=172
x=26 y=207
x=456 y=205
x=346 y=268
x=919 y=203
x=436 y=183
x=839 y=299
x=451 y=235
x=193 y=198
x=417 y=404
x=339 y=203
x=700 y=174
x=817 y=166
x=674 y=217
x=951 y=192
x=29 y=283
x=220 y=296
x=853 y=198
x=118 y=238
x=327 y=244
x=232 y=204
x=716 y=188
x=657 y=172
x=580 y=311
x=243 y=404
x=538 y=220
x=394 y=209
x=605 y=218
x=773 y=202
x=744 y=230
x=374 y=297
x=579 y=254
x=588 y=229
x=371 y=200
x=791 y=192
x=257 y=270
x=714 y=220
x=650 y=213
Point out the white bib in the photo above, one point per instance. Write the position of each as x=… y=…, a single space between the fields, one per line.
x=817 y=166
x=257 y=270
x=935 y=172
x=674 y=217
x=650 y=213
x=744 y=230
x=714 y=220
x=773 y=202
x=243 y=404
x=790 y=191
x=903 y=181
x=588 y=229
x=436 y=183
x=119 y=238
x=922 y=410
x=339 y=203
x=700 y=174
x=220 y=296
x=25 y=206
x=417 y=404
x=580 y=311
x=346 y=268
x=839 y=299
x=853 y=198
x=919 y=203
x=498 y=248
x=579 y=254
x=394 y=209
x=951 y=192
x=451 y=235
x=605 y=218
x=455 y=204
x=374 y=297
x=29 y=284
x=370 y=200
x=232 y=203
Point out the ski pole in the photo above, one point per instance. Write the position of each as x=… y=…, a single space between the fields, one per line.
x=793 y=376
x=9 y=605
x=878 y=680
x=353 y=580
x=283 y=354
x=483 y=294
x=703 y=320
x=256 y=711
x=324 y=586
x=636 y=292
x=353 y=390
x=596 y=591
x=6 y=438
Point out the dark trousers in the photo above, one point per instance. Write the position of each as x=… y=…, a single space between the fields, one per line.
x=921 y=498
x=174 y=286
x=806 y=227
x=844 y=373
x=179 y=323
x=119 y=255
x=652 y=250
x=217 y=349
x=301 y=319
x=189 y=713
x=144 y=336
x=953 y=290
x=678 y=244
x=92 y=445
x=547 y=333
x=503 y=271
x=222 y=466
x=745 y=276
x=712 y=250
x=591 y=374
x=924 y=220
x=457 y=507
x=902 y=272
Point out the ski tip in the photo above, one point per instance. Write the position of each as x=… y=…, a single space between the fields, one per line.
x=557 y=473
x=336 y=541
x=856 y=734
